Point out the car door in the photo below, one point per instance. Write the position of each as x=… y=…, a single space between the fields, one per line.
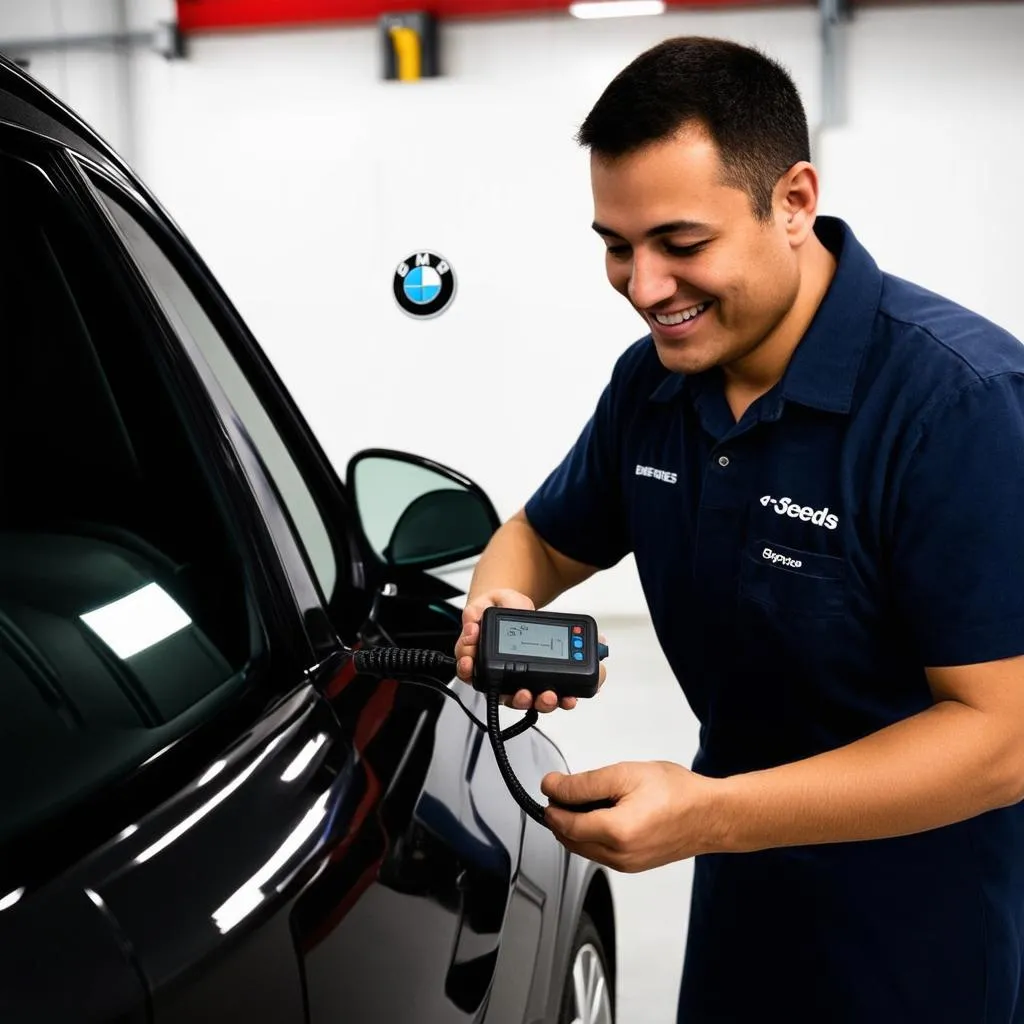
x=404 y=904
x=176 y=764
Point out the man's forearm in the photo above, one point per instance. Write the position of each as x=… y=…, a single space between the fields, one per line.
x=517 y=559
x=943 y=765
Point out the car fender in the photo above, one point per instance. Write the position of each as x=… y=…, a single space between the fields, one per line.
x=585 y=886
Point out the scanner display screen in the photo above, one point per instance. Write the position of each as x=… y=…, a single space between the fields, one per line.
x=533 y=639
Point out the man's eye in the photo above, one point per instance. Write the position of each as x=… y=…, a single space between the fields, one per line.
x=618 y=251
x=685 y=250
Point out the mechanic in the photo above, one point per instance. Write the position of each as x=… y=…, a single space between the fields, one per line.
x=820 y=471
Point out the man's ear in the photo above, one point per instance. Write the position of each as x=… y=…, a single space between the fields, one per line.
x=796 y=197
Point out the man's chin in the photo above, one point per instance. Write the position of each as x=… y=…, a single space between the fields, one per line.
x=685 y=359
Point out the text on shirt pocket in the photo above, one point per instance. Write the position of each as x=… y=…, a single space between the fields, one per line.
x=807 y=584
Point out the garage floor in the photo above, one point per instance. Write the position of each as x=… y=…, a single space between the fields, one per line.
x=640 y=715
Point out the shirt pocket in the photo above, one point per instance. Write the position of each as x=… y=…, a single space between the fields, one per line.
x=801 y=584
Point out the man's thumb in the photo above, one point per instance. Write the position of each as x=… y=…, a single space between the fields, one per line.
x=576 y=789
x=513 y=599
x=477 y=604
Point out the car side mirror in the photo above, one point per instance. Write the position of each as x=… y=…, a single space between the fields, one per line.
x=417 y=513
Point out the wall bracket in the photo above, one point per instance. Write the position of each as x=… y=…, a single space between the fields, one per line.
x=166 y=39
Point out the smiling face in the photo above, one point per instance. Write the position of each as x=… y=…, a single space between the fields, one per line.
x=715 y=285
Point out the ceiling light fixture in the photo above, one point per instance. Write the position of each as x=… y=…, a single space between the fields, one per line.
x=616 y=8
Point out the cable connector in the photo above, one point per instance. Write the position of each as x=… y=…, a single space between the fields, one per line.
x=401 y=662
x=430 y=669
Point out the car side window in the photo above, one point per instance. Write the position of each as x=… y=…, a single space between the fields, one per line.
x=188 y=317
x=126 y=616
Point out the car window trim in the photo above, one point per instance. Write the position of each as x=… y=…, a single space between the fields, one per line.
x=256 y=541
x=305 y=590
x=328 y=489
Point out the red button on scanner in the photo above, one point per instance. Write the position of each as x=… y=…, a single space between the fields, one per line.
x=577 y=630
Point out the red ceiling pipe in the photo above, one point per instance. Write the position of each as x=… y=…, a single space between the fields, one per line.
x=200 y=15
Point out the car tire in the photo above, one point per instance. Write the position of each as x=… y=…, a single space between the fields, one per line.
x=588 y=996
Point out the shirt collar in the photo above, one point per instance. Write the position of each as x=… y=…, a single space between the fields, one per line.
x=823 y=370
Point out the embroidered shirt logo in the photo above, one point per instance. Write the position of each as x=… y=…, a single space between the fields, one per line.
x=656 y=474
x=776 y=559
x=787 y=507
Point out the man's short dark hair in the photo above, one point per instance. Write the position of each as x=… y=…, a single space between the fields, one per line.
x=746 y=102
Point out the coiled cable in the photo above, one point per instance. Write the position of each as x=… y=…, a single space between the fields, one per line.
x=433 y=669
x=497 y=738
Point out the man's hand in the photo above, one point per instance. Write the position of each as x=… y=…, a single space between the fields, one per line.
x=465 y=649
x=662 y=814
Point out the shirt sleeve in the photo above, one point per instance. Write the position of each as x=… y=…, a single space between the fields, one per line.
x=958 y=539
x=579 y=508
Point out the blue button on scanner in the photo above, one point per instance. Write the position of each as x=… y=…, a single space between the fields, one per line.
x=577 y=642
x=578 y=656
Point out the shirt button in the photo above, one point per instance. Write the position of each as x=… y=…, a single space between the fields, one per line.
x=723 y=461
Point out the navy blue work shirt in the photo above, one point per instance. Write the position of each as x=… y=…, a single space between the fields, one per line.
x=862 y=521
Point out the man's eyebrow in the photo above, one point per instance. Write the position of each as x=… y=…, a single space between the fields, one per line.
x=683 y=227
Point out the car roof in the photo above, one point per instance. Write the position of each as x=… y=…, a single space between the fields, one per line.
x=27 y=104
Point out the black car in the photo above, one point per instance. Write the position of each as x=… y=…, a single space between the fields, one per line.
x=207 y=813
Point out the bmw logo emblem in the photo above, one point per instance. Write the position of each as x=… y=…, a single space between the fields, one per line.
x=424 y=285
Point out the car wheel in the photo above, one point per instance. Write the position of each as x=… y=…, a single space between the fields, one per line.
x=588 y=989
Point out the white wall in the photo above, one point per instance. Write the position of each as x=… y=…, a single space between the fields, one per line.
x=303 y=179
x=929 y=168
x=94 y=80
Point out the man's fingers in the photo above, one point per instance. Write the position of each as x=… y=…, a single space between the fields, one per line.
x=546 y=702
x=465 y=651
x=472 y=613
x=595 y=834
x=523 y=700
x=583 y=832
x=468 y=638
x=582 y=787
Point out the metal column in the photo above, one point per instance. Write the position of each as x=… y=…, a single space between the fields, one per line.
x=834 y=16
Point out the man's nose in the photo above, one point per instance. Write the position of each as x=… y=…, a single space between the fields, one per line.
x=650 y=282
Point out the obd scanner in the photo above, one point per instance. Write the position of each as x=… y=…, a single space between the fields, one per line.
x=517 y=650
x=538 y=651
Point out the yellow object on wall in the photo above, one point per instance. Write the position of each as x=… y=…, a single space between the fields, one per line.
x=406 y=42
x=410 y=46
